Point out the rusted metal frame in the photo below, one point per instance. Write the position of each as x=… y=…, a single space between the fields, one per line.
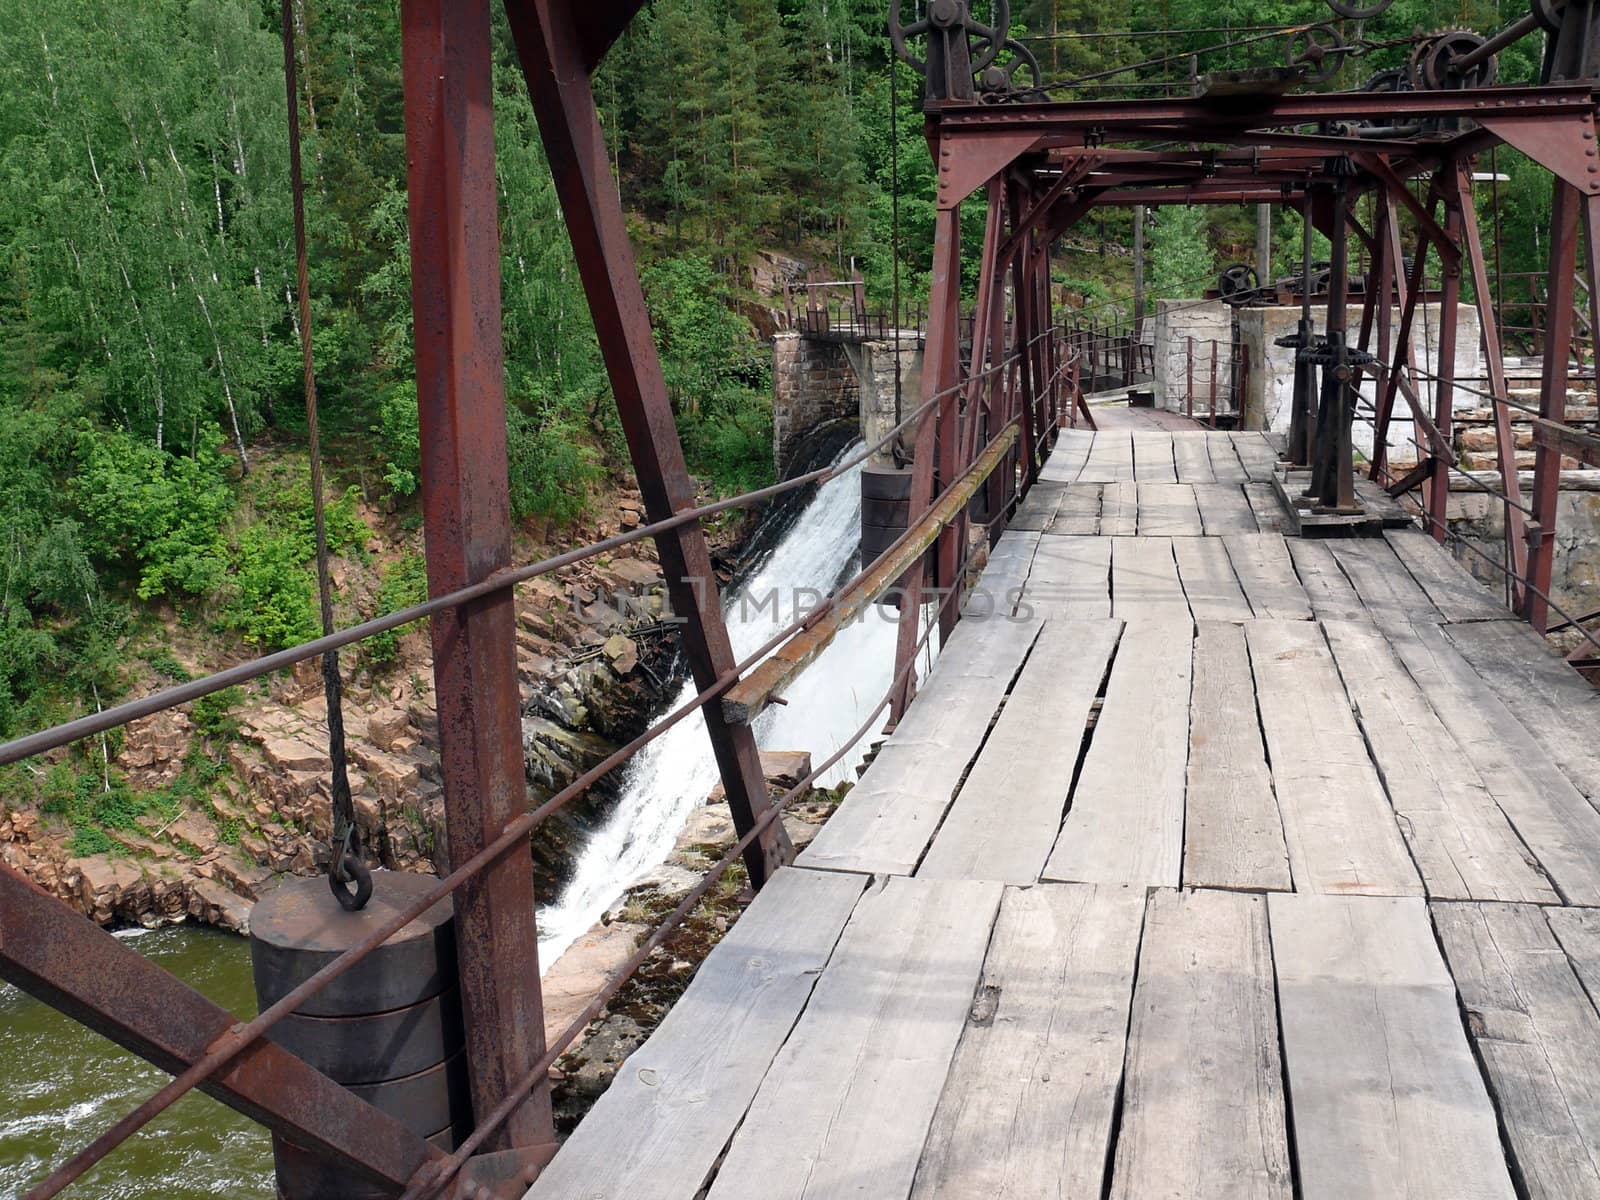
x=1413 y=478
x=1206 y=122
x=559 y=85
x=939 y=376
x=466 y=511
x=1404 y=357
x=65 y=960
x=1438 y=488
x=1375 y=299
x=1561 y=291
x=1023 y=298
x=1073 y=171
x=984 y=318
x=1449 y=247
x=1505 y=444
x=752 y=694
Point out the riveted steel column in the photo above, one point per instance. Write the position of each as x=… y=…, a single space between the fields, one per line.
x=1560 y=293
x=548 y=42
x=466 y=509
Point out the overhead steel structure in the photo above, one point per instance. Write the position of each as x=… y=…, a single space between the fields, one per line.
x=990 y=405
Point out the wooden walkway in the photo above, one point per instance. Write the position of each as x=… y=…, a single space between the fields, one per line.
x=1215 y=864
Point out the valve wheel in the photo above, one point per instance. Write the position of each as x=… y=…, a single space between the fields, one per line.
x=1237 y=280
x=1320 y=49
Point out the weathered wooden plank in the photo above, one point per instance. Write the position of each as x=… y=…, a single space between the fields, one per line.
x=1451 y=587
x=1558 y=706
x=1027 y=1109
x=1071 y=577
x=1386 y=1098
x=1331 y=594
x=884 y=824
x=1144 y=581
x=1261 y=561
x=1539 y=1038
x=1192 y=459
x=1386 y=588
x=846 y=1107
x=1066 y=461
x=1224 y=509
x=1337 y=824
x=1003 y=576
x=1461 y=841
x=1233 y=836
x=1152 y=457
x=1167 y=510
x=1264 y=504
x=1225 y=464
x=1202 y=1111
x=1038 y=509
x=1256 y=454
x=1078 y=514
x=1008 y=812
x=1578 y=931
x=1119 y=509
x=1209 y=584
x=1110 y=458
x=661 y=1125
x=1551 y=815
x=1126 y=820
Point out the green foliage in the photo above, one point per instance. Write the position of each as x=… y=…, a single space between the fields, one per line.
x=274 y=599
x=162 y=511
x=404 y=583
x=213 y=715
x=551 y=469
x=1181 y=255
x=87 y=840
x=718 y=376
x=398 y=440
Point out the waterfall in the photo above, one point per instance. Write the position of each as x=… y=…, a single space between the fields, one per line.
x=827 y=704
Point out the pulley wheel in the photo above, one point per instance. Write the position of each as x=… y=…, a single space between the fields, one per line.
x=1319 y=49
x=1433 y=63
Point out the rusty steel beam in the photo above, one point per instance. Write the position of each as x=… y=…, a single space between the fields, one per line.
x=752 y=694
x=1560 y=293
x=1505 y=444
x=65 y=960
x=549 y=46
x=447 y=62
x=939 y=372
x=1444 y=381
x=1245 y=119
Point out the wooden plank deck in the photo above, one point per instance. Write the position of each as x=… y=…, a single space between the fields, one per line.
x=1377 y=792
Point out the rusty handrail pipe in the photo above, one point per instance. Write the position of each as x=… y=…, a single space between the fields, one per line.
x=747 y=698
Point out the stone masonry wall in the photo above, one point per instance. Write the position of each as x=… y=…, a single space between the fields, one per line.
x=812 y=381
x=1206 y=321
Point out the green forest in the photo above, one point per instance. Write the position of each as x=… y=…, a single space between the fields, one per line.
x=152 y=427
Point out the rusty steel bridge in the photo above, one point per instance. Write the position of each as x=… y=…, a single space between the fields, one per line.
x=1239 y=842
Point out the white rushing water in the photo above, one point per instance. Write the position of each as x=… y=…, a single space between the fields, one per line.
x=825 y=706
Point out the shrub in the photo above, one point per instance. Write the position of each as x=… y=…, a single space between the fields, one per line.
x=274 y=601
x=404 y=583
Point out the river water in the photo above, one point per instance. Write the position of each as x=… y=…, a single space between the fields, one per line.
x=60 y=1085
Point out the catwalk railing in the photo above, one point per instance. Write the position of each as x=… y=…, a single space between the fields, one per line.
x=987 y=404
